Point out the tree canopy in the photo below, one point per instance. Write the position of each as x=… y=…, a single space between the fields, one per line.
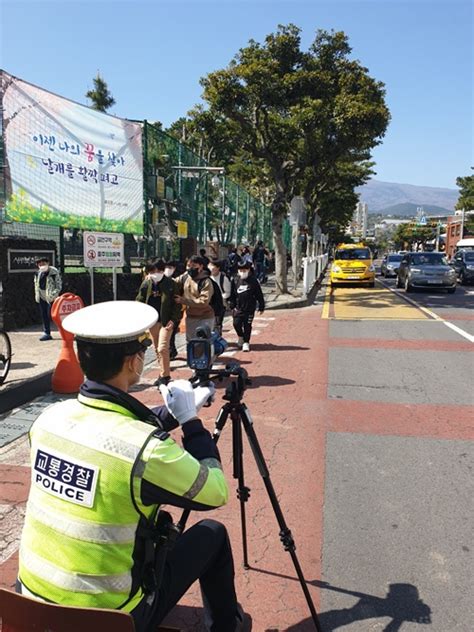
x=100 y=96
x=293 y=122
x=412 y=235
x=466 y=193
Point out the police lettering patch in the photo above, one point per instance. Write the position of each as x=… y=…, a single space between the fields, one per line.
x=65 y=478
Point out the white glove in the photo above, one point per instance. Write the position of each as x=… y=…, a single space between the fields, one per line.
x=179 y=400
x=204 y=393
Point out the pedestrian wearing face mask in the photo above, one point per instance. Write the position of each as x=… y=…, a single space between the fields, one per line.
x=196 y=296
x=246 y=294
x=47 y=285
x=222 y=281
x=158 y=290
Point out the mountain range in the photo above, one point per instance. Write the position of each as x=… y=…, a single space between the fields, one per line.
x=392 y=198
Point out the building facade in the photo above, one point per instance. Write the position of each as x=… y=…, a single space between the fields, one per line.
x=358 y=227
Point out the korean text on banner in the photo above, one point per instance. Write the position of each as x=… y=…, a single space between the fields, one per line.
x=68 y=165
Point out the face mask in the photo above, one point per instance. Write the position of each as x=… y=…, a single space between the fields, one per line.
x=43 y=268
x=156 y=276
x=169 y=272
x=243 y=275
x=139 y=373
x=193 y=272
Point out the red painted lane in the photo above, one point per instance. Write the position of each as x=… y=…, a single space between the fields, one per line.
x=410 y=420
x=287 y=401
x=15 y=484
x=9 y=572
x=409 y=345
x=453 y=315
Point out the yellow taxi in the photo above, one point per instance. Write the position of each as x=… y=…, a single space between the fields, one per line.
x=353 y=264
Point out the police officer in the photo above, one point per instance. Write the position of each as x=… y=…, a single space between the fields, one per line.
x=102 y=465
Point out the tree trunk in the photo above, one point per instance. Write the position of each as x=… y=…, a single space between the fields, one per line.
x=295 y=247
x=278 y=215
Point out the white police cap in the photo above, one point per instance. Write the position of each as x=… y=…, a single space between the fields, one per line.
x=113 y=322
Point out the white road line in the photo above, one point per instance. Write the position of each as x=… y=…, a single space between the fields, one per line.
x=429 y=313
x=264 y=318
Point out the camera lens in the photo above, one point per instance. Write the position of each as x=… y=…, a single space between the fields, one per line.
x=203 y=332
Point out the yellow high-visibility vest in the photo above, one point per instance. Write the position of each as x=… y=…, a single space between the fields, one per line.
x=88 y=460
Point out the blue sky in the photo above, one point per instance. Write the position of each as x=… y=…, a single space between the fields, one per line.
x=152 y=55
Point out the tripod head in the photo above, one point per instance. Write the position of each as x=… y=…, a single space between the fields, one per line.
x=235 y=389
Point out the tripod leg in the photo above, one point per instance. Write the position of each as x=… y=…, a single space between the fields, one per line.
x=285 y=533
x=243 y=492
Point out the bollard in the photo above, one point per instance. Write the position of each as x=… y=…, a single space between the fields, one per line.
x=68 y=375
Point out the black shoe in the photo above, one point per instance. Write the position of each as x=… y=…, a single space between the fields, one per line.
x=165 y=380
x=45 y=337
x=173 y=354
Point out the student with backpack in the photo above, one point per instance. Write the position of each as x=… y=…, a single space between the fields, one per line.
x=233 y=259
x=222 y=285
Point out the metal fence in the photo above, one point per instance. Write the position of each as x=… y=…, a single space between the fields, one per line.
x=180 y=186
x=183 y=195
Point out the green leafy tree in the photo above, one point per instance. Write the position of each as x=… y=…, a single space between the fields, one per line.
x=412 y=237
x=100 y=96
x=466 y=193
x=294 y=115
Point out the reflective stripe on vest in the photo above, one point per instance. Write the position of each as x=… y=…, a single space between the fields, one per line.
x=75 y=582
x=82 y=530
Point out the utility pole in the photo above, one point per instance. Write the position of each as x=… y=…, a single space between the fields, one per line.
x=438 y=231
x=462 y=223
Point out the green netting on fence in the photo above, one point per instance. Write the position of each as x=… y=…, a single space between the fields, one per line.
x=214 y=207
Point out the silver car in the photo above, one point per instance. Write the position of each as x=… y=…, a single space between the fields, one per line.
x=426 y=269
x=390 y=264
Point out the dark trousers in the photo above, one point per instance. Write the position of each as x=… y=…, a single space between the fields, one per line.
x=45 y=309
x=243 y=324
x=219 y=322
x=201 y=553
x=260 y=270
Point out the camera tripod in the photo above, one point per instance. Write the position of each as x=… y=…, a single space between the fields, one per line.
x=240 y=417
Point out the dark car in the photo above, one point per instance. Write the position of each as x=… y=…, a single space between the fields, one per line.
x=426 y=269
x=463 y=264
x=390 y=264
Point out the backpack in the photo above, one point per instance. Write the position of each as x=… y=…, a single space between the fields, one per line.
x=216 y=302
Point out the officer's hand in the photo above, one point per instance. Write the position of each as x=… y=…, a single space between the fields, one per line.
x=179 y=400
x=203 y=394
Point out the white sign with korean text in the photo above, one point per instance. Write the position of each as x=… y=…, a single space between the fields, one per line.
x=65 y=477
x=103 y=250
x=67 y=164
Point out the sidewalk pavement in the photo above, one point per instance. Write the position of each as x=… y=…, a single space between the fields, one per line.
x=270 y=591
x=34 y=361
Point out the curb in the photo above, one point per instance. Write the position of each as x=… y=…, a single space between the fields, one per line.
x=14 y=396
x=301 y=302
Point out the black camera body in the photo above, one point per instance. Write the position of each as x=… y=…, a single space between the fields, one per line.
x=202 y=350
